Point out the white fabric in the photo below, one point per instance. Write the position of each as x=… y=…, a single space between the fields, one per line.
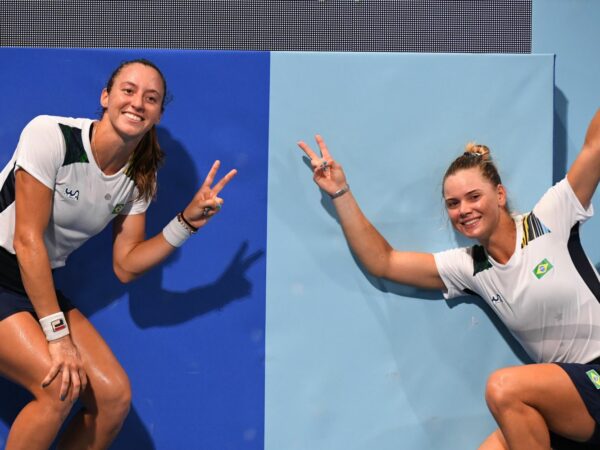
x=85 y=200
x=175 y=233
x=554 y=315
x=54 y=326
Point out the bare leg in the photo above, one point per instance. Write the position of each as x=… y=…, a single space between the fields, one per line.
x=107 y=398
x=494 y=441
x=24 y=359
x=527 y=401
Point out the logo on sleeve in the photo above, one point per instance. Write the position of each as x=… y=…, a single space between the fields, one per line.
x=594 y=378
x=542 y=268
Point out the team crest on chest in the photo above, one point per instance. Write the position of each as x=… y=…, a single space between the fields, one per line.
x=542 y=268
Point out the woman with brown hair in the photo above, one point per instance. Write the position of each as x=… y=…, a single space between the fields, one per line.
x=529 y=268
x=67 y=179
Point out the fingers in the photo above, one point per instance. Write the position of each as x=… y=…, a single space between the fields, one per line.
x=317 y=163
x=223 y=182
x=323 y=147
x=74 y=380
x=54 y=370
x=67 y=363
x=211 y=174
x=211 y=207
x=306 y=149
x=64 y=386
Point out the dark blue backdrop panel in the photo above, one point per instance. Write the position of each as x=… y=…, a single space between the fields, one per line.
x=190 y=333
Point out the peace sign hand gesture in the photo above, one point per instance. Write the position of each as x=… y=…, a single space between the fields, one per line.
x=206 y=203
x=327 y=173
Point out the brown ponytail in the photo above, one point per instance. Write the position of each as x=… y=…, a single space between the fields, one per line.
x=144 y=163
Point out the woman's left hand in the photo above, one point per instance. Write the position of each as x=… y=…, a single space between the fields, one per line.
x=206 y=203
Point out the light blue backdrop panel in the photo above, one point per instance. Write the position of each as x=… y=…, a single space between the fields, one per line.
x=190 y=333
x=352 y=362
x=568 y=29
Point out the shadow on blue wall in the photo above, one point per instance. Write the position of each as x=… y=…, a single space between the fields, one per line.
x=560 y=150
x=89 y=276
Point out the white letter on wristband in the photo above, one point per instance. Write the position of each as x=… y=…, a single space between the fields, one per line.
x=175 y=233
x=54 y=326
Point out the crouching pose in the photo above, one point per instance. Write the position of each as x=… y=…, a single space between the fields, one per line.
x=67 y=179
x=532 y=271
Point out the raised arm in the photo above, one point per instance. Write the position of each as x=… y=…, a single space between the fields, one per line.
x=371 y=248
x=584 y=174
x=134 y=255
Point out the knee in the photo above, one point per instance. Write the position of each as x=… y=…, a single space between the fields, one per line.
x=114 y=399
x=49 y=399
x=502 y=391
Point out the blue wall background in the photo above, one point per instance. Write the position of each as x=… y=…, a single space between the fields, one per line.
x=568 y=29
x=354 y=362
x=190 y=334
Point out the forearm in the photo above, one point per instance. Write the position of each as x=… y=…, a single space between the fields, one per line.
x=130 y=263
x=371 y=248
x=36 y=274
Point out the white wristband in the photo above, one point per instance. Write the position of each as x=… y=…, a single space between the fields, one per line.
x=175 y=233
x=54 y=326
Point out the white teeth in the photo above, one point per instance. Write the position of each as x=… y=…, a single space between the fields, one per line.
x=470 y=222
x=133 y=117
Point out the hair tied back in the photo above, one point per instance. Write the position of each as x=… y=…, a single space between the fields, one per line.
x=475 y=150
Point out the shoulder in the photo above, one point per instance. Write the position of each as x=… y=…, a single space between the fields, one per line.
x=51 y=124
x=559 y=207
x=468 y=260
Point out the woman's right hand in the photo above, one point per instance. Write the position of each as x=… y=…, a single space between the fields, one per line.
x=67 y=362
x=327 y=173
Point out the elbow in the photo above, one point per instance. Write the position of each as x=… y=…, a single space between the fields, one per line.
x=23 y=243
x=377 y=268
x=124 y=276
x=376 y=271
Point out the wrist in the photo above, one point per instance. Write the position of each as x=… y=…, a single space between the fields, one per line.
x=186 y=223
x=178 y=230
x=54 y=326
x=340 y=192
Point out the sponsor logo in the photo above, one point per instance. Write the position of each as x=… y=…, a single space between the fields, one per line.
x=497 y=299
x=58 y=325
x=72 y=193
x=118 y=208
x=542 y=268
x=594 y=378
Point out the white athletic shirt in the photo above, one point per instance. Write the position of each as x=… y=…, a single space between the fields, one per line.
x=56 y=151
x=548 y=293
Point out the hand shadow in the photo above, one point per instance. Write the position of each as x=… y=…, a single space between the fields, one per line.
x=172 y=308
x=88 y=280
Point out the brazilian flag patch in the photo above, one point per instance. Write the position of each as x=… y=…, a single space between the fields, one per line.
x=594 y=377
x=118 y=208
x=542 y=268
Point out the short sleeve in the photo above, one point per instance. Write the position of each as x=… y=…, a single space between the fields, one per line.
x=41 y=150
x=455 y=268
x=138 y=206
x=559 y=209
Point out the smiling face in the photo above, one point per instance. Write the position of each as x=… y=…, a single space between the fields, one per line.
x=133 y=100
x=473 y=203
